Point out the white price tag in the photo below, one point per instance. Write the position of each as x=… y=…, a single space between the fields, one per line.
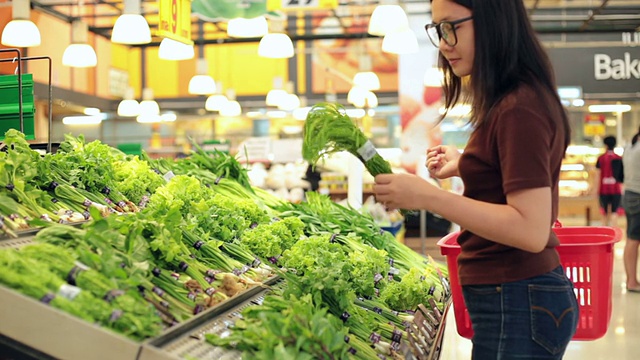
x=367 y=151
x=69 y=292
x=168 y=176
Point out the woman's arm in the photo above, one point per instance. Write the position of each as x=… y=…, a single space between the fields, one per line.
x=523 y=223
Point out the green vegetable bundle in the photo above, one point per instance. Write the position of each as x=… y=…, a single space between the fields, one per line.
x=328 y=129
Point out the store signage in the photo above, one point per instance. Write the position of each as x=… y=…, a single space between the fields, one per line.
x=617 y=69
x=175 y=20
x=594 y=125
x=301 y=4
x=614 y=70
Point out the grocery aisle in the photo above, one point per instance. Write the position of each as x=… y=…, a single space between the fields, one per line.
x=620 y=342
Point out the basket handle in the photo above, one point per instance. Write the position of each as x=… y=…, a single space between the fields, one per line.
x=557 y=224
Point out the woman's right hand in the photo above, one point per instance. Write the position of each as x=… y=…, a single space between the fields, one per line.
x=442 y=161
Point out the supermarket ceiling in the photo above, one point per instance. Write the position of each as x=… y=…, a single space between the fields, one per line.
x=208 y=25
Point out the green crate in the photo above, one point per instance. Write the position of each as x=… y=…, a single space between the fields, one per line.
x=10 y=108
x=130 y=148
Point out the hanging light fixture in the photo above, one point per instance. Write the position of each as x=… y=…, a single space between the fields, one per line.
x=386 y=18
x=232 y=107
x=148 y=106
x=366 y=78
x=290 y=101
x=170 y=49
x=276 y=94
x=79 y=53
x=276 y=44
x=357 y=95
x=129 y=106
x=216 y=101
x=131 y=27
x=402 y=41
x=247 y=28
x=21 y=31
x=201 y=83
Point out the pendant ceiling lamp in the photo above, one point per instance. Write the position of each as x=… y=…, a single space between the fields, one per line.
x=276 y=44
x=131 y=28
x=216 y=101
x=386 y=18
x=366 y=78
x=79 y=54
x=129 y=106
x=21 y=31
x=402 y=41
x=148 y=106
x=201 y=83
x=232 y=108
x=170 y=49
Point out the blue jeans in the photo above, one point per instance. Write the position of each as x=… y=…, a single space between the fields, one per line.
x=529 y=319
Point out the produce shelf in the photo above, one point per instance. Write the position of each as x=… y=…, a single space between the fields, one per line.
x=29 y=326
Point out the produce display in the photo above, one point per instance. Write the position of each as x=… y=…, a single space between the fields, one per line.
x=161 y=241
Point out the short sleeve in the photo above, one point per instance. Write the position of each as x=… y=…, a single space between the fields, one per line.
x=524 y=140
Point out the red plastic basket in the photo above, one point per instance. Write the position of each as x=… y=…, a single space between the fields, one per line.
x=586 y=253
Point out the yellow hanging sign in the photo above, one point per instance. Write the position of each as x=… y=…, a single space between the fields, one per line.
x=175 y=20
x=301 y=4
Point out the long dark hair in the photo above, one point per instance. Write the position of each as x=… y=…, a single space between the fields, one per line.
x=507 y=53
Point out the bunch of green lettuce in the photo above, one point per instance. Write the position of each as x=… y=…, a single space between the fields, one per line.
x=135 y=179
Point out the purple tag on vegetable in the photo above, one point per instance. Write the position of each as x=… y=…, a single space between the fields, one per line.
x=273 y=260
x=210 y=291
x=45 y=217
x=375 y=338
x=198 y=309
x=254 y=225
x=86 y=215
x=106 y=190
x=87 y=202
x=236 y=272
x=14 y=217
x=377 y=310
x=377 y=291
x=391 y=262
x=122 y=204
x=256 y=263
x=422 y=278
x=115 y=315
x=209 y=280
x=345 y=316
x=218 y=180
x=198 y=244
x=396 y=336
x=352 y=351
x=395 y=346
x=183 y=266
x=332 y=239
x=164 y=304
x=377 y=278
x=53 y=185
x=156 y=272
x=111 y=295
x=54 y=200
x=156 y=290
x=47 y=298
x=73 y=273
x=108 y=201
x=175 y=275
x=211 y=273
x=191 y=296
x=244 y=269
x=432 y=290
x=68 y=212
x=347 y=339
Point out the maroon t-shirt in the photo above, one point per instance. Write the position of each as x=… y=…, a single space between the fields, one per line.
x=520 y=147
x=608 y=184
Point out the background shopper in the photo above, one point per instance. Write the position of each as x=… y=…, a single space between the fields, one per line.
x=520 y=302
x=631 y=204
x=609 y=189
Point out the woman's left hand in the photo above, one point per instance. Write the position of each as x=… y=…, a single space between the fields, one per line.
x=402 y=191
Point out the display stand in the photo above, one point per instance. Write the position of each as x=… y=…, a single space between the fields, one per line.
x=19 y=59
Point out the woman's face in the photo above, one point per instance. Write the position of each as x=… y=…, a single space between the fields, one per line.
x=460 y=56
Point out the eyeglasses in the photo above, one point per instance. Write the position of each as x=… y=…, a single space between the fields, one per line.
x=445 y=30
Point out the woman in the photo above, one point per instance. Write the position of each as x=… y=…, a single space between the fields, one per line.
x=631 y=204
x=520 y=302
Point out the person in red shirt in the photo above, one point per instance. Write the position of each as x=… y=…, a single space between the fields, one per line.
x=521 y=303
x=609 y=190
